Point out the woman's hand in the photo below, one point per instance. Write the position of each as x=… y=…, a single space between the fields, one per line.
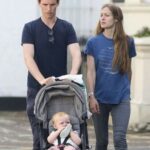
x=93 y=105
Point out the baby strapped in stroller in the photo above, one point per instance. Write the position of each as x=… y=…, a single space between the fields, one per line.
x=62 y=96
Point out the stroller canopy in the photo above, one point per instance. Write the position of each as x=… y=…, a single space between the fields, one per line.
x=62 y=95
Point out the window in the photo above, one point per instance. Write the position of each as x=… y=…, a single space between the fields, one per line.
x=118 y=1
x=146 y=1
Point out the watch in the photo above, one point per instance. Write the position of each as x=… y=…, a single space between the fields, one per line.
x=90 y=94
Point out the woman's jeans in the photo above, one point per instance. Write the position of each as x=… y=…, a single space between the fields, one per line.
x=120 y=118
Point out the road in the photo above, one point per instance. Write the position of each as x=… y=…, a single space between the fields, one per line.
x=15 y=134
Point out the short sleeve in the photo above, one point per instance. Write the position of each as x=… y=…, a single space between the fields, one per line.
x=71 y=34
x=132 y=50
x=27 y=35
x=88 y=50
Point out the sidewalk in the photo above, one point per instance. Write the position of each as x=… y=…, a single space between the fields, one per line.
x=15 y=134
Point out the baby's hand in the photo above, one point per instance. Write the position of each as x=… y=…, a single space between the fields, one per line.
x=64 y=133
x=60 y=129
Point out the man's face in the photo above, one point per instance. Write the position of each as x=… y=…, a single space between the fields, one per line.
x=48 y=8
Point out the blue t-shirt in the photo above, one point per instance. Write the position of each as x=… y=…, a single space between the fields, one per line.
x=51 y=58
x=111 y=87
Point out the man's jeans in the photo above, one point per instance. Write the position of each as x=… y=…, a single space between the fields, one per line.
x=31 y=94
x=120 y=118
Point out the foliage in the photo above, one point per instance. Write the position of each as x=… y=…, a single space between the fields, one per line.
x=144 y=32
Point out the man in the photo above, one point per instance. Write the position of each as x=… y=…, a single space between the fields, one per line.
x=45 y=42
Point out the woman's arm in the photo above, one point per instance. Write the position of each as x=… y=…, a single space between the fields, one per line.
x=91 y=76
x=90 y=73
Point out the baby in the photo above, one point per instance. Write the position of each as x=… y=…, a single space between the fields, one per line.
x=63 y=137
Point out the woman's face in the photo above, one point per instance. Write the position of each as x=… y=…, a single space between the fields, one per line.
x=107 y=20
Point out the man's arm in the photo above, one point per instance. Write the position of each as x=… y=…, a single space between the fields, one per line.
x=28 y=52
x=76 y=57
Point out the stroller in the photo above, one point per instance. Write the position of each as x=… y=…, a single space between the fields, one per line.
x=66 y=96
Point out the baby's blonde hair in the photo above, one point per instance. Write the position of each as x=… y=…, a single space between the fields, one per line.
x=57 y=116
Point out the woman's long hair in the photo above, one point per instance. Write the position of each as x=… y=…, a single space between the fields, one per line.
x=121 y=56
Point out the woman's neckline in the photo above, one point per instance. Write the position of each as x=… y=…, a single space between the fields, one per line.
x=108 y=38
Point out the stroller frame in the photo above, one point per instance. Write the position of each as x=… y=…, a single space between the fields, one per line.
x=57 y=97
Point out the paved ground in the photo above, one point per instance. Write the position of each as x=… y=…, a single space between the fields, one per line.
x=15 y=134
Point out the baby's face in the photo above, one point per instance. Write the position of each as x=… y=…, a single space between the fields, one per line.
x=62 y=122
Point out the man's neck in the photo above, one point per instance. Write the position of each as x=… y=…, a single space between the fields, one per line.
x=50 y=22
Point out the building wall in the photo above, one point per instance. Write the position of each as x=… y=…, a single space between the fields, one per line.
x=140 y=104
x=82 y=14
x=13 y=15
x=136 y=17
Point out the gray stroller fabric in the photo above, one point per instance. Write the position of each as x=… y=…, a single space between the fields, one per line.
x=64 y=96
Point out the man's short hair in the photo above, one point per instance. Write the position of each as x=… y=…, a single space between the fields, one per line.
x=57 y=1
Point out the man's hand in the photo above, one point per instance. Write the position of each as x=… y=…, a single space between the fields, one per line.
x=47 y=81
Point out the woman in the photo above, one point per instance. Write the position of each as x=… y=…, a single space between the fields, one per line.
x=109 y=56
